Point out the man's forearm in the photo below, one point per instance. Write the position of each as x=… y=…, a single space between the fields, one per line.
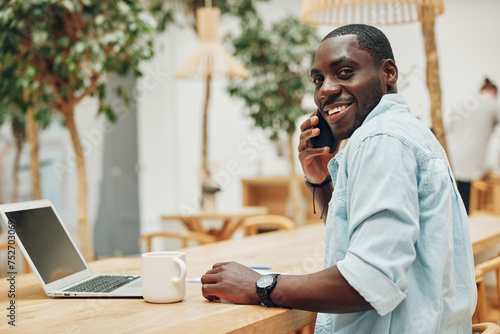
x=326 y=291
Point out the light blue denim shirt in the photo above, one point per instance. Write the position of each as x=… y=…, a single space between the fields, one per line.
x=397 y=230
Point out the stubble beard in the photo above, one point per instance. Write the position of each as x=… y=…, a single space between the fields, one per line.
x=372 y=101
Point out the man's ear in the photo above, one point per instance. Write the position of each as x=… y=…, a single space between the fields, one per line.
x=390 y=74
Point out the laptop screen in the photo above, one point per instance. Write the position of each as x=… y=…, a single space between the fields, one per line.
x=47 y=243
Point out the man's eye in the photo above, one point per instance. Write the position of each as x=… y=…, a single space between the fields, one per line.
x=317 y=80
x=345 y=73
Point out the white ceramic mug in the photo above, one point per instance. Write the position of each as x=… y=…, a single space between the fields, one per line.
x=163 y=277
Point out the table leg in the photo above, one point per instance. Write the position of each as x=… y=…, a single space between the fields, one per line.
x=193 y=224
x=230 y=226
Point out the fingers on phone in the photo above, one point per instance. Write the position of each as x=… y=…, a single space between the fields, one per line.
x=309 y=123
x=312 y=152
x=306 y=136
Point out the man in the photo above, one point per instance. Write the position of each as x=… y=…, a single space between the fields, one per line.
x=398 y=255
x=469 y=131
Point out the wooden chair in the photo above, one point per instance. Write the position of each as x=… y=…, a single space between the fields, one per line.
x=480 y=197
x=4 y=246
x=485 y=195
x=186 y=238
x=482 y=312
x=486 y=328
x=255 y=224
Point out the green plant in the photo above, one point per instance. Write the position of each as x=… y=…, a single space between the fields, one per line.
x=66 y=47
x=279 y=59
x=209 y=189
x=19 y=106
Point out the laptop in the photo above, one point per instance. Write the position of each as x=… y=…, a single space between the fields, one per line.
x=54 y=257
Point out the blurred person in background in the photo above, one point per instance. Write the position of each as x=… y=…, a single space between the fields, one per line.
x=469 y=131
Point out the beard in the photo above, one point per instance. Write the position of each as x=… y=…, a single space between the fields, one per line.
x=371 y=101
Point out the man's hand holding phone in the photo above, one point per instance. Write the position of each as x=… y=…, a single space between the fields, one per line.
x=325 y=137
x=316 y=148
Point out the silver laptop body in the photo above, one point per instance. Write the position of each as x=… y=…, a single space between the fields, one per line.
x=52 y=254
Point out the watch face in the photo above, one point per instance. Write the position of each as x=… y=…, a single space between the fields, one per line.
x=265 y=281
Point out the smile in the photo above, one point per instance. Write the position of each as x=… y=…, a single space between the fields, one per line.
x=336 y=110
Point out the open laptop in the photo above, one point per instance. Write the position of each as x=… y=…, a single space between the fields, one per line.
x=54 y=257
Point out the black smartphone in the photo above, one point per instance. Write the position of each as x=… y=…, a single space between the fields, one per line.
x=325 y=137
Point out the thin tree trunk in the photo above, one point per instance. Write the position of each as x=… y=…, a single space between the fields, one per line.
x=295 y=194
x=2 y=166
x=433 y=80
x=15 y=172
x=31 y=128
x=83 y=226
x=19 y=137
x=204 y=151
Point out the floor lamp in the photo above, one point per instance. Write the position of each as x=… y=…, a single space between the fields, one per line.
x=209 y=61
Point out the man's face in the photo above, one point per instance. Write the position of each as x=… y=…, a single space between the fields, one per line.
x=348 y=84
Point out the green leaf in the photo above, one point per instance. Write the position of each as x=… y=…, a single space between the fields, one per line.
x=279 y=59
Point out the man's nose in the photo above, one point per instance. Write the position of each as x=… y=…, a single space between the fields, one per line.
x=330 y=87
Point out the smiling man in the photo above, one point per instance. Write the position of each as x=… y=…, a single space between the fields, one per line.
x=398 y=255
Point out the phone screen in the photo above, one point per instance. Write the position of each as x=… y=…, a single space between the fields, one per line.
x=325 y=137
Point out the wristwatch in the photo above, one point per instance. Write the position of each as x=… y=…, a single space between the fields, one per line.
x=264 y=285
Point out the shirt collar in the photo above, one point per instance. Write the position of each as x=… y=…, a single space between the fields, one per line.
x=387 y=102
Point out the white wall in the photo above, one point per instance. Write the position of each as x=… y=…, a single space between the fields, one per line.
x=169 y=115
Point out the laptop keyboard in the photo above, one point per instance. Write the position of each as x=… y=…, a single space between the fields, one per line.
x=103 y=283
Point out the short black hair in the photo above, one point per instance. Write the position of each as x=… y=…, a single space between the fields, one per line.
x=370 y=39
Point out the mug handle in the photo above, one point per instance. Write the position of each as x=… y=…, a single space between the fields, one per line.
x=182 y=265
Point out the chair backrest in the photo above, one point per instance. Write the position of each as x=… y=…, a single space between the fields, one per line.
x=480 y=271
x=186 y=237
x=484 y=194
x=486 y=328
x=252 y=225
x=479 y=196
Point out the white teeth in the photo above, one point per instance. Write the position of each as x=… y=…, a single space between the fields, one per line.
x=336 y=109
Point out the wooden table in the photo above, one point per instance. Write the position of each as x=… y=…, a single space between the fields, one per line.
x=193 y=221
x=291 y=251
x=484 y=231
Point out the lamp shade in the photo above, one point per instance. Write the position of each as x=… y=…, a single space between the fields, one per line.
x=210 y=59
x=373 y=12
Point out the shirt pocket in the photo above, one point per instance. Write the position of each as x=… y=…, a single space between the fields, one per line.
x=338 y=226
x=338 y=206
